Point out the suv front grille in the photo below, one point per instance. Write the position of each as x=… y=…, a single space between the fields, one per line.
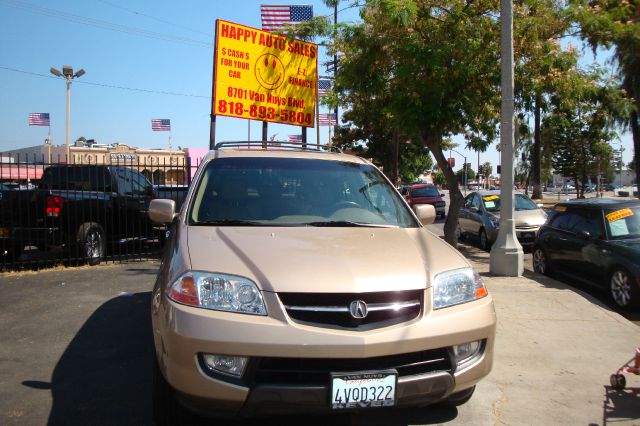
x=314 y=371
x=332 y=310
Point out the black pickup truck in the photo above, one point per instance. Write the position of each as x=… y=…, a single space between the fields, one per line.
x=82 y=210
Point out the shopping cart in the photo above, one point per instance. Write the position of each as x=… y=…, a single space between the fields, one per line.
x=632 y=366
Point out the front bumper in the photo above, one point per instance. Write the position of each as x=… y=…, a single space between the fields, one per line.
x=181 y=333
x=527 y=236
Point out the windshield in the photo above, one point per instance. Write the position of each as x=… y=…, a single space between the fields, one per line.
x=522 y=202
x=623 y=223
x=425 y=191
x=269 y=191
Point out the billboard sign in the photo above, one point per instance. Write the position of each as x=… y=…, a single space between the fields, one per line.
x=264 y=76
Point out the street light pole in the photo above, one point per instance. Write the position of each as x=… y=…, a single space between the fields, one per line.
x=507 y=257
x=68 y=74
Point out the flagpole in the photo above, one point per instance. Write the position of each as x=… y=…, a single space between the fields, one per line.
x=317 y=116
x=49 y=142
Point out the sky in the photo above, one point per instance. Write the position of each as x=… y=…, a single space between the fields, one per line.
x=143 y=60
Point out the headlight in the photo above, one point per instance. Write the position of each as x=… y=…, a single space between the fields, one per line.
x=456 y=287
x=219 y=292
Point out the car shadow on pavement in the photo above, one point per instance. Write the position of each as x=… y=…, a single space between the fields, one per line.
x=104 y=378
x=435 y=414
x=104 y=375
x=620 y=405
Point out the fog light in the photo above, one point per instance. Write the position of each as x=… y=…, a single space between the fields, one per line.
x=466 y=352
x=225 y=364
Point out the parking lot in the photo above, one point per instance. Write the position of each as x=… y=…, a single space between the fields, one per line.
x=77 y=348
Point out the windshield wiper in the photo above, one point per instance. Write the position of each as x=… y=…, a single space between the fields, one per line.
x=227 y=222
x=348 y=223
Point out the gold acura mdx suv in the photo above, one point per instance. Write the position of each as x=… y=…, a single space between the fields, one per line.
x=298 y=280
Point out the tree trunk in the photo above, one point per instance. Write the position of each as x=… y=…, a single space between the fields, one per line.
x=535 y=155
x=455 y=196
x=396 y=159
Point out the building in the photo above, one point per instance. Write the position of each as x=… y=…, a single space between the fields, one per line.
x=160 y=166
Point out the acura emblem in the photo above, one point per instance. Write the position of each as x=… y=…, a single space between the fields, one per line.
x=358 y=309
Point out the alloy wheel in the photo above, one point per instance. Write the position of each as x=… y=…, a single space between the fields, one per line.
x=620 y=288
x=539 y=261
x=93 y=244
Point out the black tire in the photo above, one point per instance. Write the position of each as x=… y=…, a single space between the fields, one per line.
x=541 y=262
x=623 y=289
x=91 y=243
x=459 y=398
x=484 y=240
x=617 y=381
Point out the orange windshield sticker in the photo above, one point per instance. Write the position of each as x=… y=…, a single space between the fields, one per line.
x=490 y=197
x=560 y=209
x=619 y=214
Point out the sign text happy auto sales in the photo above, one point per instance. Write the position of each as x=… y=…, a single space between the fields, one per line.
x=264 y=76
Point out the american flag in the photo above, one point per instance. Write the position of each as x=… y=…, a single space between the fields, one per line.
x=295 y=138
x=323 y=87
x=161 y=125
x=327 y=119
x=39 y=119
x=275 y=16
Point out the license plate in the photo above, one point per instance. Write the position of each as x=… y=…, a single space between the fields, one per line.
x=363 y=389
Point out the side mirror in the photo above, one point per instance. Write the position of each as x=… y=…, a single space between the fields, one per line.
x=162 y=211
x=426 y=213
x=585 y=235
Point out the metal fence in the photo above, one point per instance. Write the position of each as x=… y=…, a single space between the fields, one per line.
x=88 y=210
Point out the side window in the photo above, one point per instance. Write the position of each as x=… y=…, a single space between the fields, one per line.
x=475 y=201
x=468 y=202
x=589 y=222
x=565 y=221
x=131 y=182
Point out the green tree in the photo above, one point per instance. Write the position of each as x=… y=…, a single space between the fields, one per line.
x=616 y=23
x=422 y=67
x=471 y=174
x=540 y=64
x=579 y=127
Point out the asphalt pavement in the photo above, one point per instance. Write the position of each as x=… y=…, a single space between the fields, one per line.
x=76 y=350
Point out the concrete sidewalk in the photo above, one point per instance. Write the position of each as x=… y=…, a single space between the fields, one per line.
x=76 y=349
x=555 y=350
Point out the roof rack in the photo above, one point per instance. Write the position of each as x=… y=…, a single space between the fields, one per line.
x=276 y=145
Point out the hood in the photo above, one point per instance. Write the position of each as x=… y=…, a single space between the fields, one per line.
x=524 y=218
x=314 y=259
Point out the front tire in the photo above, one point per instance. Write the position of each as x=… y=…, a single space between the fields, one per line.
x=91 y=243
x=541 y=262
x=484 y=240
x=624 y=290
